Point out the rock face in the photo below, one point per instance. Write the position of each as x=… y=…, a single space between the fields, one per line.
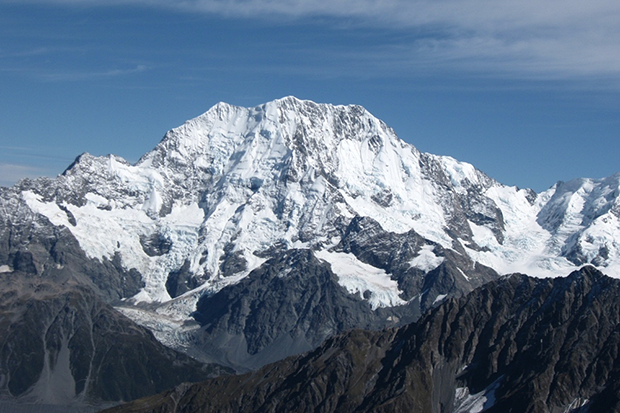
x=516 y=344
x=293 y=302
x=31 y=245
x=424 y=270
x=63 y=345
x=289 y=305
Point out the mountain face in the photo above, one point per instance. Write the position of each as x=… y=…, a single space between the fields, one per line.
x=251 y=234
x=517 y=344
x=295 y=300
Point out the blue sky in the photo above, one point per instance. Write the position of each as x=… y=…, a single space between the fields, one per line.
x=527 y=91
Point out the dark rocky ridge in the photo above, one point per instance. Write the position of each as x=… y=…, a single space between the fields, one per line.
x=30 y=244
x=528 y=345
x=456 y=275
x=289 y=305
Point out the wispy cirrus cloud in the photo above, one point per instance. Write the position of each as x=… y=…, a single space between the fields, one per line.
x=524 y=38
x=79 y=76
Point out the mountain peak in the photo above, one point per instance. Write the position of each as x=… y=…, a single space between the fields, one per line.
x=286 y=117
x=287 y=137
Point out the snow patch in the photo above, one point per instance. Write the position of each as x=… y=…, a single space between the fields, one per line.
x=463 y=274
x=170 y=329
x=577 y=403
x=358 y=277
x=440 y=298
x=426 y=260
x=483 y=236
x=464 y=402
x=50 y=210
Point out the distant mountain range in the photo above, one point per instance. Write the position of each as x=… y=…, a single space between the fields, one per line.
x=252 y=234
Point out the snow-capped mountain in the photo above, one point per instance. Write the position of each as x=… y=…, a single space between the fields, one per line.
x=227 y=191
x=227 y=186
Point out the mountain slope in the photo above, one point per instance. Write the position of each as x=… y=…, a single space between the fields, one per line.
x=295 y=300
x=62 y=345
x=516 y=344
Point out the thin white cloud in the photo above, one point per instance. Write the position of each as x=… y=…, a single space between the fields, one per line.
x=527 y=38
x=78 y=76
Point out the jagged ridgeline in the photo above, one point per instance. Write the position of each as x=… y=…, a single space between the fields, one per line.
x=251 y=234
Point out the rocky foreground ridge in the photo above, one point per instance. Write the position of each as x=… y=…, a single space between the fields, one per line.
x=517 y=344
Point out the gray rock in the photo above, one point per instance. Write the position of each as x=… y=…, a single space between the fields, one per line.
x=289 y=305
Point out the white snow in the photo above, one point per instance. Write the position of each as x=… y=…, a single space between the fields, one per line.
x=576 y=404
x=171 y=329
x=461 y=174
x=358 y=277
x=426 y=260
x=464 y=402
x=463 y=274
x=439 y=298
